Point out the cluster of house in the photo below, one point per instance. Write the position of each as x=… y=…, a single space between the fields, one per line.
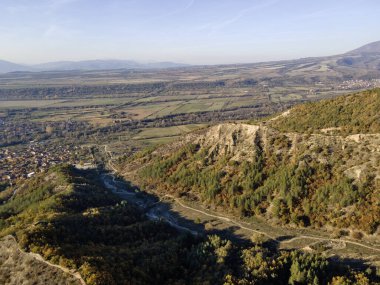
x=25 y=162
x=359 y=84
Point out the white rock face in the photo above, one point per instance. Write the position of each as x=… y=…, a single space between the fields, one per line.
x=230 y=139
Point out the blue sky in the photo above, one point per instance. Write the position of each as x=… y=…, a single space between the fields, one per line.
x=189 y=31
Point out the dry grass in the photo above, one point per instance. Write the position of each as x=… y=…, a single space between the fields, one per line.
x=17 y=267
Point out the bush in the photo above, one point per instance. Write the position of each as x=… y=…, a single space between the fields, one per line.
x=357 y=235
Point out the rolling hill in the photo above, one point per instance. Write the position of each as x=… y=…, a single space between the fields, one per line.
x=369 y=48
x=353 y=114
x=6 y=66
x=69 y=217
x=317 y=165
x=365 y=57
x=79 y=229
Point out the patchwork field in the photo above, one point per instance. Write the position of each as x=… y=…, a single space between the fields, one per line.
x=131 y=109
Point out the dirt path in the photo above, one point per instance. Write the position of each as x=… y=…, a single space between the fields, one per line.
x=229 y=220
x=331 y=239
x=109 y=153
x=37 y=256
x=64 y=269
x=219 y=217
x=249 y=229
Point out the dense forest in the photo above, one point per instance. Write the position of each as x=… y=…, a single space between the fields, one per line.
x=71 y=219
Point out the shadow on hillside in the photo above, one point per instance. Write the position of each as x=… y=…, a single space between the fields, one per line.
x=284 y=238
x=354 y=263
x=163 y=210
x=95 y=222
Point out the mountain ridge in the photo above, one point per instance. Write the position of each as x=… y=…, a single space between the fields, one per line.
x=99 y=64
x=370 y=49
x=373 y=47
x=85 y=65
x=7 y=66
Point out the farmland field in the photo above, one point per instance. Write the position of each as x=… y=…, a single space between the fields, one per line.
x=153 y=133
x=131 y=109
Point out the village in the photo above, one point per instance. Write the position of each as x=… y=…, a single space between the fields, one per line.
x=35 y=157
x=359 y=84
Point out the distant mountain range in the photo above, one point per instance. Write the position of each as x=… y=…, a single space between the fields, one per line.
x=367 y=56
x=6 y=66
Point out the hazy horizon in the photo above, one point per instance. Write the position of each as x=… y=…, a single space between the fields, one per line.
x=183 y=31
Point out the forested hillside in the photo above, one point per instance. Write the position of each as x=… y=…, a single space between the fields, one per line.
x=300 y=179
x=69 y=218
x=352 y=114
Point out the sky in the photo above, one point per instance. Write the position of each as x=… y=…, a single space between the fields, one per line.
x=186 y=31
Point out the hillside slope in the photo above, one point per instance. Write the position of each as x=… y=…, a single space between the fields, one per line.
x=17 y=267
x=352 y=114
x=368 y=48
x=296 y=178
x=70 y=219
x=6 y=66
